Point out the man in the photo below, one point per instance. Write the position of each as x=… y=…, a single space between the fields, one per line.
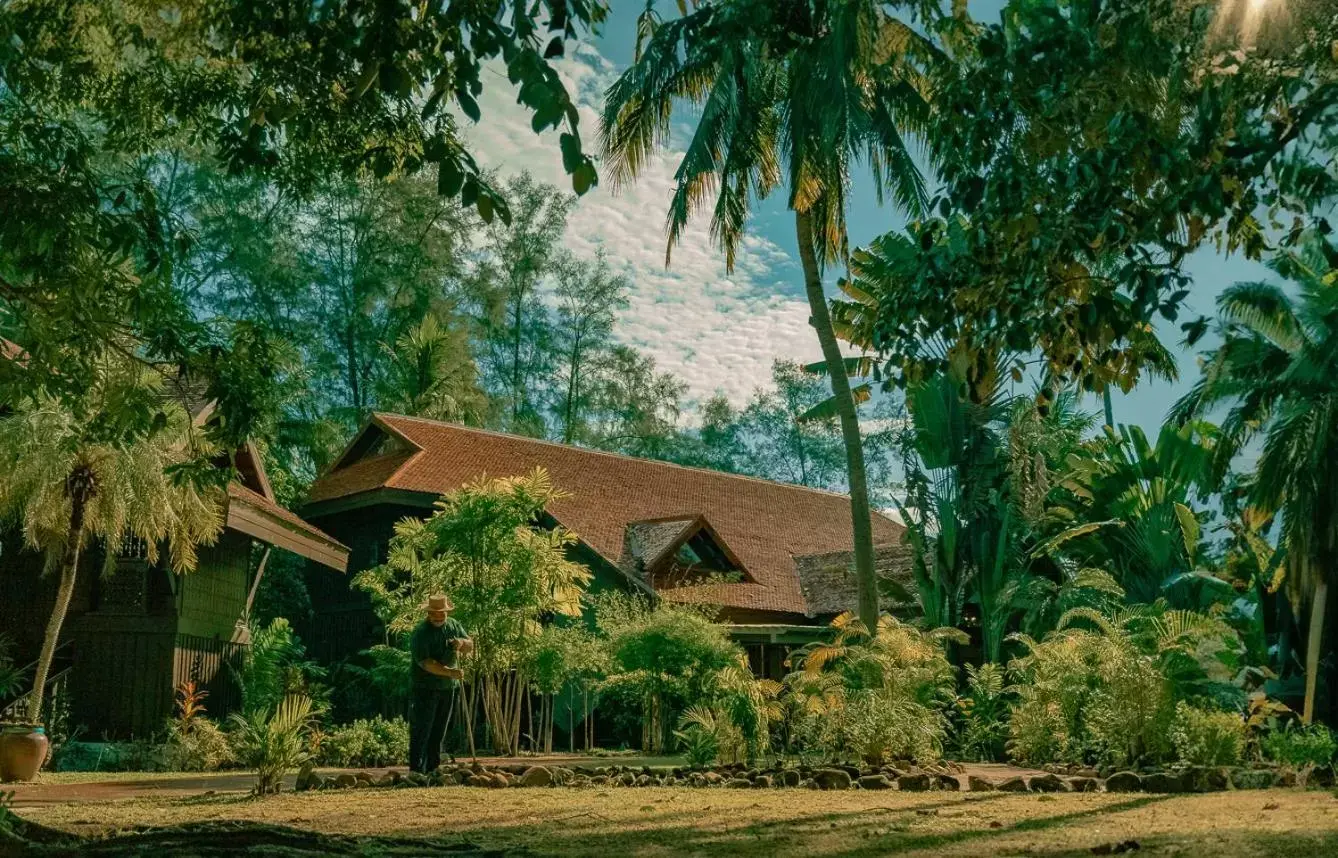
x=435 y=647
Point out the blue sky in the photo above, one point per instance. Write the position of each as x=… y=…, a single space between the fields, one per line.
x=717 y=330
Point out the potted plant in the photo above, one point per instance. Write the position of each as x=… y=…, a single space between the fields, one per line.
x=23 y=745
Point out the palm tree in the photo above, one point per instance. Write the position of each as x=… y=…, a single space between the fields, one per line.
x=789 y=92
x=1277 y=369
x=76 y=473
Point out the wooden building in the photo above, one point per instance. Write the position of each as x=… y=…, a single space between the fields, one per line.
x=775 y=557
x=132 y=637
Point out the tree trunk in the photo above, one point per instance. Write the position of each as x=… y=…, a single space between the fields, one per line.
x=69 y=568
x=1315 y=640
x=861 y=523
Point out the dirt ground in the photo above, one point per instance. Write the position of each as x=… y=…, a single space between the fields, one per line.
x=684 y=821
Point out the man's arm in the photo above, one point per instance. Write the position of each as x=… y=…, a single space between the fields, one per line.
x=436 y=668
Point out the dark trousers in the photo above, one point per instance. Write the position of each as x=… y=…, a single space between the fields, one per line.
x=429 y=713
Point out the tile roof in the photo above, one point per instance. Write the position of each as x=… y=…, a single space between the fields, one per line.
x=290 y=519
x=765 y=524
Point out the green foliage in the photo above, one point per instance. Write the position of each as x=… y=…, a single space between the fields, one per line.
x=275 y=667
x=117 y=465
x=1109 y=694
x=1086 y=150
x=376 y=680
x=11 y=676
x=873 y=697
x=274 y=741
x=1204 y=737
x=365 y=743
x=699 y=735
x=1274 y=373
x=504 y=575
x=663 y=658
x=982 y=727
x=194 y=743
x=1301 y=747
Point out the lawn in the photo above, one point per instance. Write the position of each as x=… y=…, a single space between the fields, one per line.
x=680 y=821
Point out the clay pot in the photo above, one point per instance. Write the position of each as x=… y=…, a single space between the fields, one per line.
x=22 y=751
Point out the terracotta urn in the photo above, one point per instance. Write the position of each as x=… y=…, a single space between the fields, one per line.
x=22 y=751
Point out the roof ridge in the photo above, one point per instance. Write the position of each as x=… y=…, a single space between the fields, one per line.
x=593 y=452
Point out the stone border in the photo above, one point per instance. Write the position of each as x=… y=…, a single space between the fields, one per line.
x=906 y=777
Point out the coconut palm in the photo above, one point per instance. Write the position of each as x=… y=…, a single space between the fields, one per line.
x=790 y=93
x=76 y=473
x=1277 y=371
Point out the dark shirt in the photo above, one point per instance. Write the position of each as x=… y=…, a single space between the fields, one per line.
x=437 y=643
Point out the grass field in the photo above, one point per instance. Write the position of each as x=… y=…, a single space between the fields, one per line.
x=680 y=821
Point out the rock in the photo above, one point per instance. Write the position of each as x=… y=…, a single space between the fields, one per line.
x=762 y=782
x=1086 y=772
x=386 y=780
x=852 y=771
x=479 y=780
x=979 y=784
x=1285 y=778
x=345 y=781
x=627 y=779
x=1124 y=782
x=599 y=780
x=809 y=783
x=738 y=783
x=1208 y=778
x=878 y=781
x=1253 y=778
x=1014 y=784
x=1078 y=783
x=832 y=778
x=790 y=778
x=536 y=776
x=714 y=778
x=1048 y=783
x=500 y=780
x=947 y=782
x=918 y=782
x=1166 y=782
x=642 y=781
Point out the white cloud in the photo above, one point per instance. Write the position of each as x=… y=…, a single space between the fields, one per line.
x=716 y=330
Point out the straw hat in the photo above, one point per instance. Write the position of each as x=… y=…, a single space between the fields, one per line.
x=438 y=602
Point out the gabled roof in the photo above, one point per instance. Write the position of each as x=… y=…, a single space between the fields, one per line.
x=764 y=524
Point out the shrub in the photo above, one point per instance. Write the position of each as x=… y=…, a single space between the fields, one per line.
x=983 y=728
x=366 y=743
x=1207 y=738
x=699 y=733
x=880 y=726
x=274 y=742
x=1084 y=697
x=138 y=756
x=194 y=743
x=872 y=696
x=204 y=749
x=1301 y=748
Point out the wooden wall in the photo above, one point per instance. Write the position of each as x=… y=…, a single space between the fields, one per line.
x=121 y=685
x=343 y=622
x=210 y=599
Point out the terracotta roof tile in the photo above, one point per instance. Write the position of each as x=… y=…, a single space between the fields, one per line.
x=765 y=524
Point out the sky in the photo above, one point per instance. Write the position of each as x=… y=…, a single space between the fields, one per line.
x=719 y=330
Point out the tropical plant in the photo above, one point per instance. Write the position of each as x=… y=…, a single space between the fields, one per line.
x=875 y=696
x=701 y=734
x=504 y=575
x=1204 y=737
x=1128 y=507
x=1104 y=688
x=430 y=373
x=1276 y=372
x=11 y=676
x=74 y=473
x=982 y=728
x=194 y=742
x=275 y=666
x=789 y=84
x=273 y=742
x=665 y=657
